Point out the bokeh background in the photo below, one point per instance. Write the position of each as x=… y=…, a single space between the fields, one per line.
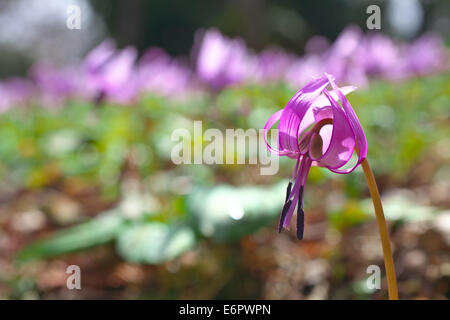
x=86 y=178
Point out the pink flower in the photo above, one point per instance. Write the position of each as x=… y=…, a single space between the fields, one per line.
x=14 y=92
x=55 y=85
x=159 y=73
x=221 y=61
x=314 y=129
x=109 y=73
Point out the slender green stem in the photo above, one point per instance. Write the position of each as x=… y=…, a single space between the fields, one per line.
x=383 y=230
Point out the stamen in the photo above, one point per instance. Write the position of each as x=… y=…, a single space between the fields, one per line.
x=300 y=215
x=288 y=191
x=300 y=197
x=300 y=223
x=286 y=207
x=315 y=146
x=304 y=143
x=312 y=139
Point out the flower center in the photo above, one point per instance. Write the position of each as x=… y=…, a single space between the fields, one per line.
x=312 y=142
x=315 y=146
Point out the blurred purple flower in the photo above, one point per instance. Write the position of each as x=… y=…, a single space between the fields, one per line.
x=54 y=85
x=314 y=129
x=377 y=54
x=95 y=59
x=109 y=74
x=304 y=69
x=426 y=55
x=161 y=74
x=113 y=75
x=14 y=92
x=339 y=58
x=220 y=61
x=272 y=65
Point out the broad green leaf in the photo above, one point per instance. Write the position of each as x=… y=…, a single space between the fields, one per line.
x=155 y=242
x=227 y=213
x=403 y=207
x=95 y=232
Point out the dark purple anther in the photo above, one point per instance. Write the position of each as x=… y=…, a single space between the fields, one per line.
x=300 y=215
x=288 y=191
x=286 y=207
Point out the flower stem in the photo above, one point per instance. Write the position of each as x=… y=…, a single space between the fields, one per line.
x=383 y=230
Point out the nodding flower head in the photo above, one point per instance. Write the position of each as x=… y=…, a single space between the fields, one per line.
x=316 y=131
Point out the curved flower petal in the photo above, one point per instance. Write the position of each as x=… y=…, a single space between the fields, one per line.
x=322 y=100
x=360 y=137
x=323 y=113
x=269 y=124
x=342 y=142
x=308 y=106
x=295 y=111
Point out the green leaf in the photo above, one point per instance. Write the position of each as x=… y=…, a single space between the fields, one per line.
x=227 y=213
x=401 y=205
x=95 y=232
x=349 y=215
x=155 y=242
